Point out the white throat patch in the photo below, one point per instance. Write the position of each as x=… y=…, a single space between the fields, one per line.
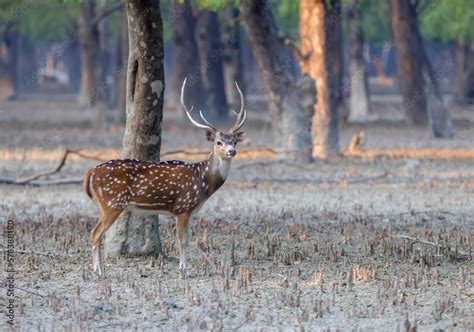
x=223 y=167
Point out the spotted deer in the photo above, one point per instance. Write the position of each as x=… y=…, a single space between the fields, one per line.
x=175 y=187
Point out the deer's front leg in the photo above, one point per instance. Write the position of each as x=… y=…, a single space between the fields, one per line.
x=182 y=222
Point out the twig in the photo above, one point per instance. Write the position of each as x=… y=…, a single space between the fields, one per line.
x=30 y=292
x=461 y=255
x=240 y=325
x=94 y=157
x=209 y=261
x=296 y=50
x=37 y=176
x=272 y=162
x=107 y=11
x=29 y=252
x=38 y=183
x=350 y=180
x=30 y=180
x=254 y=150
x=190 y=152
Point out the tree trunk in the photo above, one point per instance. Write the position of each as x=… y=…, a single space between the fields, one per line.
x=122 y=57
x=422 y=97
x=73 y=64
x=470 y=78
x=409 y=61
x=102 y=94
x=139 y=235
x=26 y=64
x=9 y=84
x=464 y=55
x=334 y=39
x=89 y=52
x=185 y=57
x=232 y=57
x=315 y=25
x=210 y=54
x=290 y=103
x=359 y=104
x=440 y=119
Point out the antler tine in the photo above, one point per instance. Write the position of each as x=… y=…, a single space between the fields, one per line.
x=242 y=115
x=188 y=112
x=206 y=121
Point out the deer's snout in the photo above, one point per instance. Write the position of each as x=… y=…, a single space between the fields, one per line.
x=231 y=152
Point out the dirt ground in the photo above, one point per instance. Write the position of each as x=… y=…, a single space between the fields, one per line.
x=326 y=246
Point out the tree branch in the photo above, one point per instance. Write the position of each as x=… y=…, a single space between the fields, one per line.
x=107 y=11
x=296 y=50
x=460 y=255
x=30 y=180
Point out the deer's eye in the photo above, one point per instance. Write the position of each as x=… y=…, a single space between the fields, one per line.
x=219 y=143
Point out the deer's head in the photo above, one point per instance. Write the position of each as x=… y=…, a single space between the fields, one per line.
x=224 y=141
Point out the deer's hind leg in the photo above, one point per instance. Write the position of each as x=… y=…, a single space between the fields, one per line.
x=107 y=218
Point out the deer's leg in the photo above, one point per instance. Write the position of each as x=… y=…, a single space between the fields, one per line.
x=106 y=220
x=182 y=222
x=96 y=246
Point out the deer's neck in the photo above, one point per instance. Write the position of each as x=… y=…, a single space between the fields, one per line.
x=217 y=170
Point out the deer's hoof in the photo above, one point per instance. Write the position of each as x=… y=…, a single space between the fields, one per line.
x=184 y=274
x=98 y=270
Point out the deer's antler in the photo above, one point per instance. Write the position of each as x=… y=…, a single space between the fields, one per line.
x=242 y=115
x=207 y=124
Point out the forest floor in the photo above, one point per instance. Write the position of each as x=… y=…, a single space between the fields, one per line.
x=329 y=245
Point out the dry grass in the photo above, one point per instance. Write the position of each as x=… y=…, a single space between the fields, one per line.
x=295 y=267
x=280 y=246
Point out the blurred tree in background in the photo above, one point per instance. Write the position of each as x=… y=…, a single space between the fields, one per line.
x=452 y=22
x=422 y=99
x=43 y=41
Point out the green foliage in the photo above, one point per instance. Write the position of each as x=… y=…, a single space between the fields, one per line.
x=448 y=20
x=286 y=13
x=212 y=5
x=10 y=10
x=41 y=20
x=375 y=20
x=167 y=17
x=49 y=20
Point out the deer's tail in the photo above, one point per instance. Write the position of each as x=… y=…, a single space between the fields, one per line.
x=87 y=182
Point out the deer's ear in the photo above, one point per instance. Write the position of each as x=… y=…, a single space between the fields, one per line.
x=210 y=136
x=239 y=137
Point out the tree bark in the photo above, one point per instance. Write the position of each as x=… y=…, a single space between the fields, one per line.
x=210 y=55
x=9 y=83
x=26 y=64
x=440 y=119
x=122 y=57
x=470 y=77
x=316 y=24
x=464 y=55
x=422 y=99
x=334 y=23
x=409 y=62
x=139 y=235
x=73 y=64
x=232 y=55
x=359 y=104
x=102 y=93
x=290 y=103
x=185 y=57
x=89 y=52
